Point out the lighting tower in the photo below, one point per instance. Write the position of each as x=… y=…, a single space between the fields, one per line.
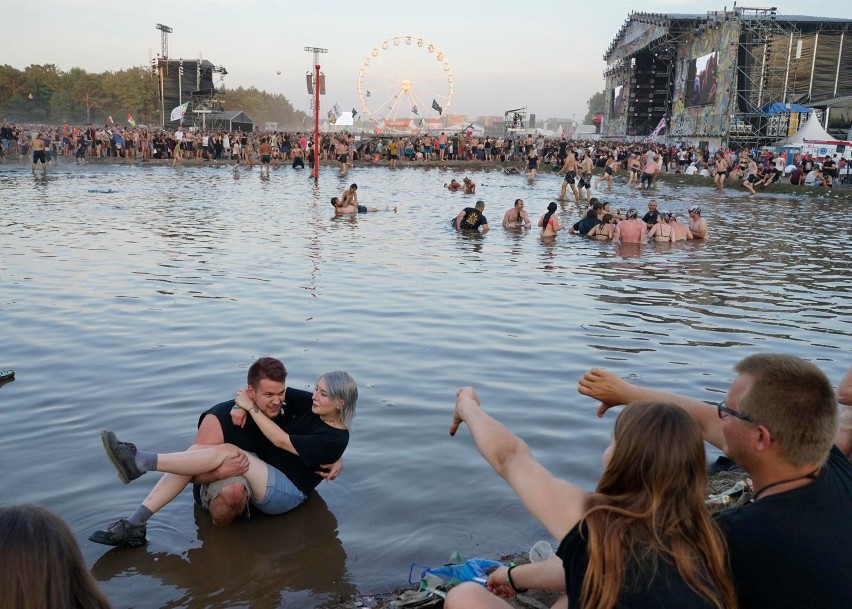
x=165 y=31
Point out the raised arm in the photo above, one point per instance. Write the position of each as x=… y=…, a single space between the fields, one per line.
x=843 y=440
x=556 y=503
x=612 y=390
x=273 y=433
x=844 y=389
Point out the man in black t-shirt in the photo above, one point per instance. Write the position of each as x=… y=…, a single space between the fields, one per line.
x=652 y=216
x=790 y=548
x=829 y=168
x=583 y=226
x=471 y=218
x=314 y=441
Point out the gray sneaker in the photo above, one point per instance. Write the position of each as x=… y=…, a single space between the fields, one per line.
x=122 y=455
x=121 y=533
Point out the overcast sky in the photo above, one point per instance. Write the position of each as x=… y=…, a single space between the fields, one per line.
x=545 y=55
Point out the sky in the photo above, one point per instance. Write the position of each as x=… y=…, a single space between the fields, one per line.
x=545 y=56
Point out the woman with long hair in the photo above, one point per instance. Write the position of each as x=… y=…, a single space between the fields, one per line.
x=42 y=564
x=644 y=538
x=549 y=222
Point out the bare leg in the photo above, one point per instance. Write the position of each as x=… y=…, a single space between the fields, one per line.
x=470 y=595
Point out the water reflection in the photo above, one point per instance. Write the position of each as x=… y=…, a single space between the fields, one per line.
x=267 y=562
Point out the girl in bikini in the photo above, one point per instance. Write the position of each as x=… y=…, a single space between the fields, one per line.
x=605 y=230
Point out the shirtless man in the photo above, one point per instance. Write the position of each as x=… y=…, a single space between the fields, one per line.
x=453 y=185
x=442 y=146
x=39 y=153
x=631 y=230
x=681 y=230
x=516 y=216
x=649 y=173
x=341 y=151
x=697 y=224
x=469 y=186
x=586 y=176
x=751 y=175
x=349 y=196
x=570 y=170
x=427 y=148
x=353 y=208
x=265 y=151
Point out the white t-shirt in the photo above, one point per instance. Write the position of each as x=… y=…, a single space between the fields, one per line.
x=179 y=135
x=691 y=170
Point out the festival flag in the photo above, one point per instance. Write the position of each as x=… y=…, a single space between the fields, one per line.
x=435 y=106
x=130 y=120
x=657 y=130
x=337 y=111
x=414 y=109
x=368 y=93
x=178 y=112
x=110 y=120
x=354 y=113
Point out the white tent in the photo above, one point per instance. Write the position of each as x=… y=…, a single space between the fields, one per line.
x=811 y=130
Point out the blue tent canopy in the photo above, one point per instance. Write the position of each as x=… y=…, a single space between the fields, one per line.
x=773 y=108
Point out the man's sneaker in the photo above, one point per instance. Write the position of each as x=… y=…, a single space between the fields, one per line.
x=121 y=533
x=122 y=455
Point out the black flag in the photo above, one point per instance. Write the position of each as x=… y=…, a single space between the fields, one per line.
x=354 y=113
x=435 y=106
x=414 y=109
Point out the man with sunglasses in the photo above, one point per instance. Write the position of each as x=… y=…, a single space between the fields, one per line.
x=790 y=548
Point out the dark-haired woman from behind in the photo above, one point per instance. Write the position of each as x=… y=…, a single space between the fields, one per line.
x=42 y=567
x=643 y=540
x=549 y=222
x=605 y=230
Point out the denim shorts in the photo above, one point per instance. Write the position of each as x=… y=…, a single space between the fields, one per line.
x=281 y=494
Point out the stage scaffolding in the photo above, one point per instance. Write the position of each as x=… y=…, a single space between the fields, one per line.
x=774 y=59
x=761 y=77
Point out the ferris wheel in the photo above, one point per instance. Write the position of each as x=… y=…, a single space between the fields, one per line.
x=405 y=77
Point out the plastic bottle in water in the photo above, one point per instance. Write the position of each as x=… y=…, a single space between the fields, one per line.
x=541 y=551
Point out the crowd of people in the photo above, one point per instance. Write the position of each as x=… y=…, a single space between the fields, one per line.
x=643 y=163
x=600 y=222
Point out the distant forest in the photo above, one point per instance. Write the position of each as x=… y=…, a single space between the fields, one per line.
x=43 y=94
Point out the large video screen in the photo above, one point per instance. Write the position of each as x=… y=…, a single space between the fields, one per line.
x=619 y=101
x=701 y=80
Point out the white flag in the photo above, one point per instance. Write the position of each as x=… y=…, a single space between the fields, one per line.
x=178 y=112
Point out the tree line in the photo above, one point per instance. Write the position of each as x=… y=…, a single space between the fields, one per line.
x=45 y=94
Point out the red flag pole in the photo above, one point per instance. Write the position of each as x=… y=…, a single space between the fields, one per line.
x=316 y=119
x=316 y=51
